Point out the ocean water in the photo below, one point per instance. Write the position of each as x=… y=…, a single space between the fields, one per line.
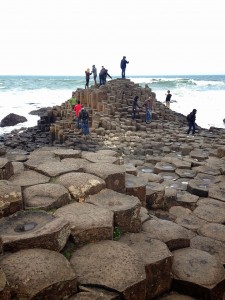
x=22 y=94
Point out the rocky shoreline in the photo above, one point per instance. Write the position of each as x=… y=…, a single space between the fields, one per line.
x=136 y=211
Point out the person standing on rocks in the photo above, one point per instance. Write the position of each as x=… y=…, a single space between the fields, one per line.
x=168 y=97
x=191 y=121
x=87 y=75
x=84 y=117
x=123 y=65
x=77 y=109
x=73 y=100
x=148 y=109
x=94 y=72
x=134 y=107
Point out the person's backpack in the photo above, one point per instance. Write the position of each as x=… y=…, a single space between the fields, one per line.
x=188 y=117
x=84 y=115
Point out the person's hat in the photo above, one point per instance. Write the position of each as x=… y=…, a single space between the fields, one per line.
x=124 y=56
x=88 y=69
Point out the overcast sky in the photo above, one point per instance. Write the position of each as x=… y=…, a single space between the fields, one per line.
x=158 y=37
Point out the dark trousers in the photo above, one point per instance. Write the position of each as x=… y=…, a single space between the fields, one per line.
x=123 y=73
x=191 y=124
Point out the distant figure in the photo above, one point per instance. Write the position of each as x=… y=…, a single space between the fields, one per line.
x=103 y=75
x=134 y=107
x=168 y=97
x=123 y=65
x=87 y=74
x=148 y=109
x=191 y=121
x=77 y=109
x=94 y=71
x=83 y=117
x=73 y=100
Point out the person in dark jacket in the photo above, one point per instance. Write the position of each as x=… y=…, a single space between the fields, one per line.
x=191 y=121
x=123 y=65
x=94 y=71
x=103 y=75
x=87 y=76
x=134 y=107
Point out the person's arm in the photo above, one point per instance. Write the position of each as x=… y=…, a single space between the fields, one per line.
x=109 y=75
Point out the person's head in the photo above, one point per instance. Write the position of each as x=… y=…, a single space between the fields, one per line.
x=136 y=98
x=93 y=66
x=124 y=57
x=78 y=102
x=168 y=91
x=88 y=70
x=194 y=111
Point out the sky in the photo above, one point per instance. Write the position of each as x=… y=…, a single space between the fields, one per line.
x=158 y=37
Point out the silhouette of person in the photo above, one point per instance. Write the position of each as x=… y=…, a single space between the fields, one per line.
x=168 y=97
x=87 y=74
x=123 y=65
x=94 y=71
x=134 y=107
x=191 y=121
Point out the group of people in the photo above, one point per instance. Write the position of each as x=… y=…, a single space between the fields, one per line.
x=81 y=115
x=103 y=74
x=148 y=104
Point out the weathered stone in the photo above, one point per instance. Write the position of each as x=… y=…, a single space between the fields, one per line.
x=81 y=185
x=210 y=213
x=136 y=186
x=209 y=245
x=213 y=230
x=211 y=201
x=6 y=169
x=33 y=229
x=190 y=221
x=164 y=167
x=27 y=178
x=112 y=265
x=174 y=235
x=217 y=191
x=11 y=120
x=46 y=196
x=126 y=209
x=88 y=222
x=100 y=158
x=34 y=274
x=157 y=259
x=221 y=152
x=4 y=287
x=154 y=195
x=198 y=273
x=113 y=175
x=67 y=153
x=186 y=200
x=198 y=187
x=10 y=198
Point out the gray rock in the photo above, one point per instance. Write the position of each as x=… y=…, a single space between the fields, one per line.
x=12 y=119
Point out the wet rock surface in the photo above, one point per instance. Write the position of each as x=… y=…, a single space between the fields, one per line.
x=127 y=186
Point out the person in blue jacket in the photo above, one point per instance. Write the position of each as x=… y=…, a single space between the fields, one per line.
x=123 y=65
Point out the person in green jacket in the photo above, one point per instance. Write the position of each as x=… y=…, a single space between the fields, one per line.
x=73 y=100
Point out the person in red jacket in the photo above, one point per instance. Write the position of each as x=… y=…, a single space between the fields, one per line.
x=77 y=109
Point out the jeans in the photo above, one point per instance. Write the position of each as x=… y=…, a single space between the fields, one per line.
x=134 y=114
x=123 y=73
x=84 y=127
x=191 y=124
x=148 y=116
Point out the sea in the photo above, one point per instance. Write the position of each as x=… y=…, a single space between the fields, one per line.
x=23 y=94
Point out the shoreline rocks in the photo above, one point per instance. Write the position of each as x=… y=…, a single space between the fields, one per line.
x=137 y=204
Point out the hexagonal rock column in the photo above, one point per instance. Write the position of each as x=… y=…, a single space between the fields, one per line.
x=81 y=185
x=217 y=191
x=95 y=294
x=67 y=153
x=175 y=296
x=198 y=187
x=113 y=175
x=101 y=157
x=34 y=274
x=6 y=169
x=4 y=287
x=164 y=167
x=210 y=213
x=174 y=235
x=136 y=186
x=112 y=265
x=209 y=245
x=157 y=259
x=126 y=209
x=88 y=223
x=27 y=178
x=10 y=198
x=154 y=195
x=199 y=274
x=33 y=229
x=213 y=230
x=46 y=196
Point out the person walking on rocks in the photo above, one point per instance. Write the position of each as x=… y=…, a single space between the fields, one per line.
x=84 y=117
x=134 y=107
x=148 y=109
x=168 y=97
x=87 y=75
x=73 y=100
x=123 y=65
x=94 y=72
x=77 y=109
x=191 y=121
